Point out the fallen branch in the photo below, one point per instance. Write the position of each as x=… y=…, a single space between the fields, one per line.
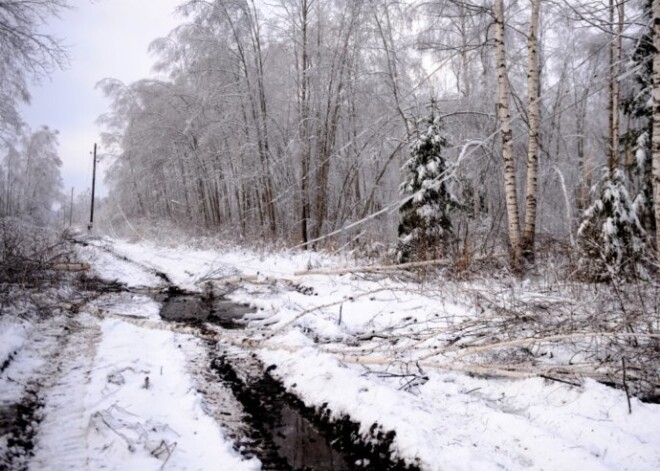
x=251 y=279
x=232 y=280
x=388 y=268
x=372 y=269
x=531 y=340
x=559 y=380
x=72 y=267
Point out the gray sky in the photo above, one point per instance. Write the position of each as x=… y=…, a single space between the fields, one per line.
x=106 y=38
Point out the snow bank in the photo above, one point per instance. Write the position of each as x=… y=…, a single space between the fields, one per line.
x=455 y=422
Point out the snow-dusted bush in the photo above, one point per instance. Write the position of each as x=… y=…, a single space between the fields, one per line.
x=425 y=229
x=25 y=251
x=611 y=239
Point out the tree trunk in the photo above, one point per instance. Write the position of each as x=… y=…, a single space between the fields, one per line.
x=656 y=120
x=615 y=86
x=504 y=115
x=304 y=118
x=533 y=147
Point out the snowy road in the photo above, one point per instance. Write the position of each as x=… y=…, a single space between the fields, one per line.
x=117 y=396
x=124 y=390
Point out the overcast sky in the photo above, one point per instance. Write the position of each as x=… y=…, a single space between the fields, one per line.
x=106 y=38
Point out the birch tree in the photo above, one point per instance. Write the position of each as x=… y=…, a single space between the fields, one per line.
x=655 y=18
x=510 y=186
x=533 y=145
x=616 y=10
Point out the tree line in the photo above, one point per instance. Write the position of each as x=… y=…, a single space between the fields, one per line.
x=293 y=120
x=30 y=182
x=301 y=121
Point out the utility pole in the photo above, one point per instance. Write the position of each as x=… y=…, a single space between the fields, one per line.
x=91 y=214
x=71 y=209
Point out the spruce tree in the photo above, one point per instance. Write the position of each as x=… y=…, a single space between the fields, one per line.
x=614 y=232
x=637 y=107
x=611 y=237
x=425 y=228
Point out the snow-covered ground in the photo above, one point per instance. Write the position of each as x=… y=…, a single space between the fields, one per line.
x=384 y=351
x=114 y=395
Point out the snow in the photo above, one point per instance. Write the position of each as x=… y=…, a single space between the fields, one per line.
x=446 y=419
x=13 y=334
x=457 y=422
x=375 y=349
x=130 y=405
x=109 y=267
x=116 y=395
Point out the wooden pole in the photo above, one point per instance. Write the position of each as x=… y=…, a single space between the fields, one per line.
x=91 y=213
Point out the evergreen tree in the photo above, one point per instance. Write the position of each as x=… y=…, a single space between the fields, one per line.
x=425 y=228
x=637 y=106
x=612 y=239
x=613 y=234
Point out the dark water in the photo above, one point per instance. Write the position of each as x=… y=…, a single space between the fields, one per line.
x=194 y=308
x=282 y=437
x=301 y=444
x=287 y=435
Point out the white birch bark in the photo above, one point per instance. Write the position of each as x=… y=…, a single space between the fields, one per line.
x=615 y=86
x=510 y=188
x=533 y=146
x=656 y=120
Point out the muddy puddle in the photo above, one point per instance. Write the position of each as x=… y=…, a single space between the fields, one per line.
x=195 y=309
x=282 y=433
x=280 y=436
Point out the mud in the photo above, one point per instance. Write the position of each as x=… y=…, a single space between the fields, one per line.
x=7 y=362
x=18 y=425
x=281 y=431
x=287 y=435
x=197 y=309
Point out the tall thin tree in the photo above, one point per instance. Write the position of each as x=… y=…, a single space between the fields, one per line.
x=533 y=146
x=504 y=115
x=656 y=119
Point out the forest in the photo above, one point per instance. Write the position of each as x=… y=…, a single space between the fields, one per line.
x=352 y=207
x=295 y=122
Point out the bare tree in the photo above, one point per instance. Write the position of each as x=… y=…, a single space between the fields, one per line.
x=616 y=9
x=533 y=146
x=33 y=181
x=26 y=54
x=510 y=187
